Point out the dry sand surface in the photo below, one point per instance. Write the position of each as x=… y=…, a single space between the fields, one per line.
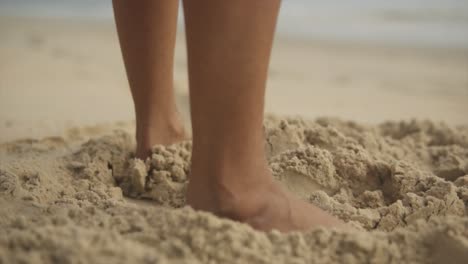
x=57 y=74
x=70 y=191
x=402 y=185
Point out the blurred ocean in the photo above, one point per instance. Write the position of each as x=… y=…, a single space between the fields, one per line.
x=442 y=23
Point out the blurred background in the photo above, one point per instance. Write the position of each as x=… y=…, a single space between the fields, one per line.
x=362 y=60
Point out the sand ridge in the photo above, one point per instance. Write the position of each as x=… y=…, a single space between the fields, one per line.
x=403 y=185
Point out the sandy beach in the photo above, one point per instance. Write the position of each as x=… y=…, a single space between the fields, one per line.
x=375 y=134
x=56 y=74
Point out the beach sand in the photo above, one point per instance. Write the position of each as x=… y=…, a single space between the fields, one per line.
x=58 y=74
x=70 y=191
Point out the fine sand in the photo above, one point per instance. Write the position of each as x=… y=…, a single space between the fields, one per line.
x=70 y=191
x=402 y=185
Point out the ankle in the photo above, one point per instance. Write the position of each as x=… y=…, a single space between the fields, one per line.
x=164 y=131
x=236 y=198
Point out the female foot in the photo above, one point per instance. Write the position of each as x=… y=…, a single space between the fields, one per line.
x=263 y=204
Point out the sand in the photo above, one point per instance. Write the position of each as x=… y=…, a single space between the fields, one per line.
x=57 y=74
x=403 y=186
x=70 y=191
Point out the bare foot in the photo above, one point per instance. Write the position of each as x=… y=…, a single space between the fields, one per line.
x=163 y=131
x=264 y=205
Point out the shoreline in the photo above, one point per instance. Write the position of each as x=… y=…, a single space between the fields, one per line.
x=280 y=36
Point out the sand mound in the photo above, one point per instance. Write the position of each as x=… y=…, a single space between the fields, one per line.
x=403 y=185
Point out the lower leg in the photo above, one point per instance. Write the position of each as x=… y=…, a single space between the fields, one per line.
x=147 y=31
x=229 y=44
